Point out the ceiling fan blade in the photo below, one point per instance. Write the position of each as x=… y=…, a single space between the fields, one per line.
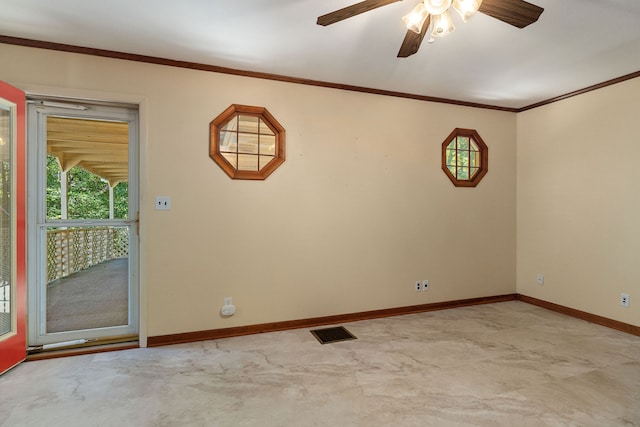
x=412 y=41
x=518 y=13
x=353 y=10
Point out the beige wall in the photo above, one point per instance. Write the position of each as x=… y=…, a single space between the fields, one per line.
x=579 y=203
x=357 y=213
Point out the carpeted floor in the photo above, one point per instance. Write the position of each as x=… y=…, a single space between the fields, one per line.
x=93 y=298
x=506 y=364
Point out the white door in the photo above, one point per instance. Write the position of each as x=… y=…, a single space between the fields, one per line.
x=83 y=229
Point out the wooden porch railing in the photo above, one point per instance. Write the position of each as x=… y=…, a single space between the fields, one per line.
x=70 y=250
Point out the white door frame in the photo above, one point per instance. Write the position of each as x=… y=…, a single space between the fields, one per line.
x=37 y=113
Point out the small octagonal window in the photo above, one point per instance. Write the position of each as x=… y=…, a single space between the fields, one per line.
x=247 y=142
x=465 y=157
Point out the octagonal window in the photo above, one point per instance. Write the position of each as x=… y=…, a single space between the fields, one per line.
x=465 y=157
x=247 y=142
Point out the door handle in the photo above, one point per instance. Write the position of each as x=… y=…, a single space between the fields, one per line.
x=135 y=221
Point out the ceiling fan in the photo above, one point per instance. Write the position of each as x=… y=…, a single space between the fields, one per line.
x=434 y=15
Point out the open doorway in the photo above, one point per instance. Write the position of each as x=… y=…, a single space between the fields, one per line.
x=83 y=229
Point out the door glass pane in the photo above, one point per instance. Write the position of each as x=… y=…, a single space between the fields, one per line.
x=5 y=221
x=85 y=158
x=87 y=195
x=86 y=283
x=87 y=277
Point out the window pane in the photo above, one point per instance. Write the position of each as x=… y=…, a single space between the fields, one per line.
x=232 y=158
x=6 y=281
x=451 y=158
x=247 y=162
x=264 y=161
x=248 y=124
x=5 y=302
x=231 y=125
x=248 y=143
x=268 y=144
x=228 y=141
x=257 y=140
x=265 y=129
x=463 y=158
x=474 y=159
x=463 y=173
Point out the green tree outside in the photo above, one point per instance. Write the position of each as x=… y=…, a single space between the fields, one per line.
x=87 y=194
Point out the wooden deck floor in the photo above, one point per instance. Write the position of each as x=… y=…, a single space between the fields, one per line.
x=93 y=298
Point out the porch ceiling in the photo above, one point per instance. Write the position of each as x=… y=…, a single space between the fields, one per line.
x=100 y=147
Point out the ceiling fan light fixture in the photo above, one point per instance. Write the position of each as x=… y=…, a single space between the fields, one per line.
x=437 y=7
x=442 y=24
x=414 y=19
x=466 y=8
x=427 y=32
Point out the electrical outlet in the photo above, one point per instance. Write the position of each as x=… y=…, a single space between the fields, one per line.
x=624 y=300
x=418 y=285
x=163 y=203
x=425 y=285
x=540 y=279
x=228 y=309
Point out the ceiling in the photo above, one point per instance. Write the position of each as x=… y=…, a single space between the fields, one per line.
x=574 y=44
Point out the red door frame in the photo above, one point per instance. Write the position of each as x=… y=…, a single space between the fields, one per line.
x=13 y=349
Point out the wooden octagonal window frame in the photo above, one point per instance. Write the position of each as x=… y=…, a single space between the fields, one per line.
x=465 y=157
x=247 y=142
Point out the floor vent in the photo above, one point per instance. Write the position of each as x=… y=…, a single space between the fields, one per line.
x=335 y=334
